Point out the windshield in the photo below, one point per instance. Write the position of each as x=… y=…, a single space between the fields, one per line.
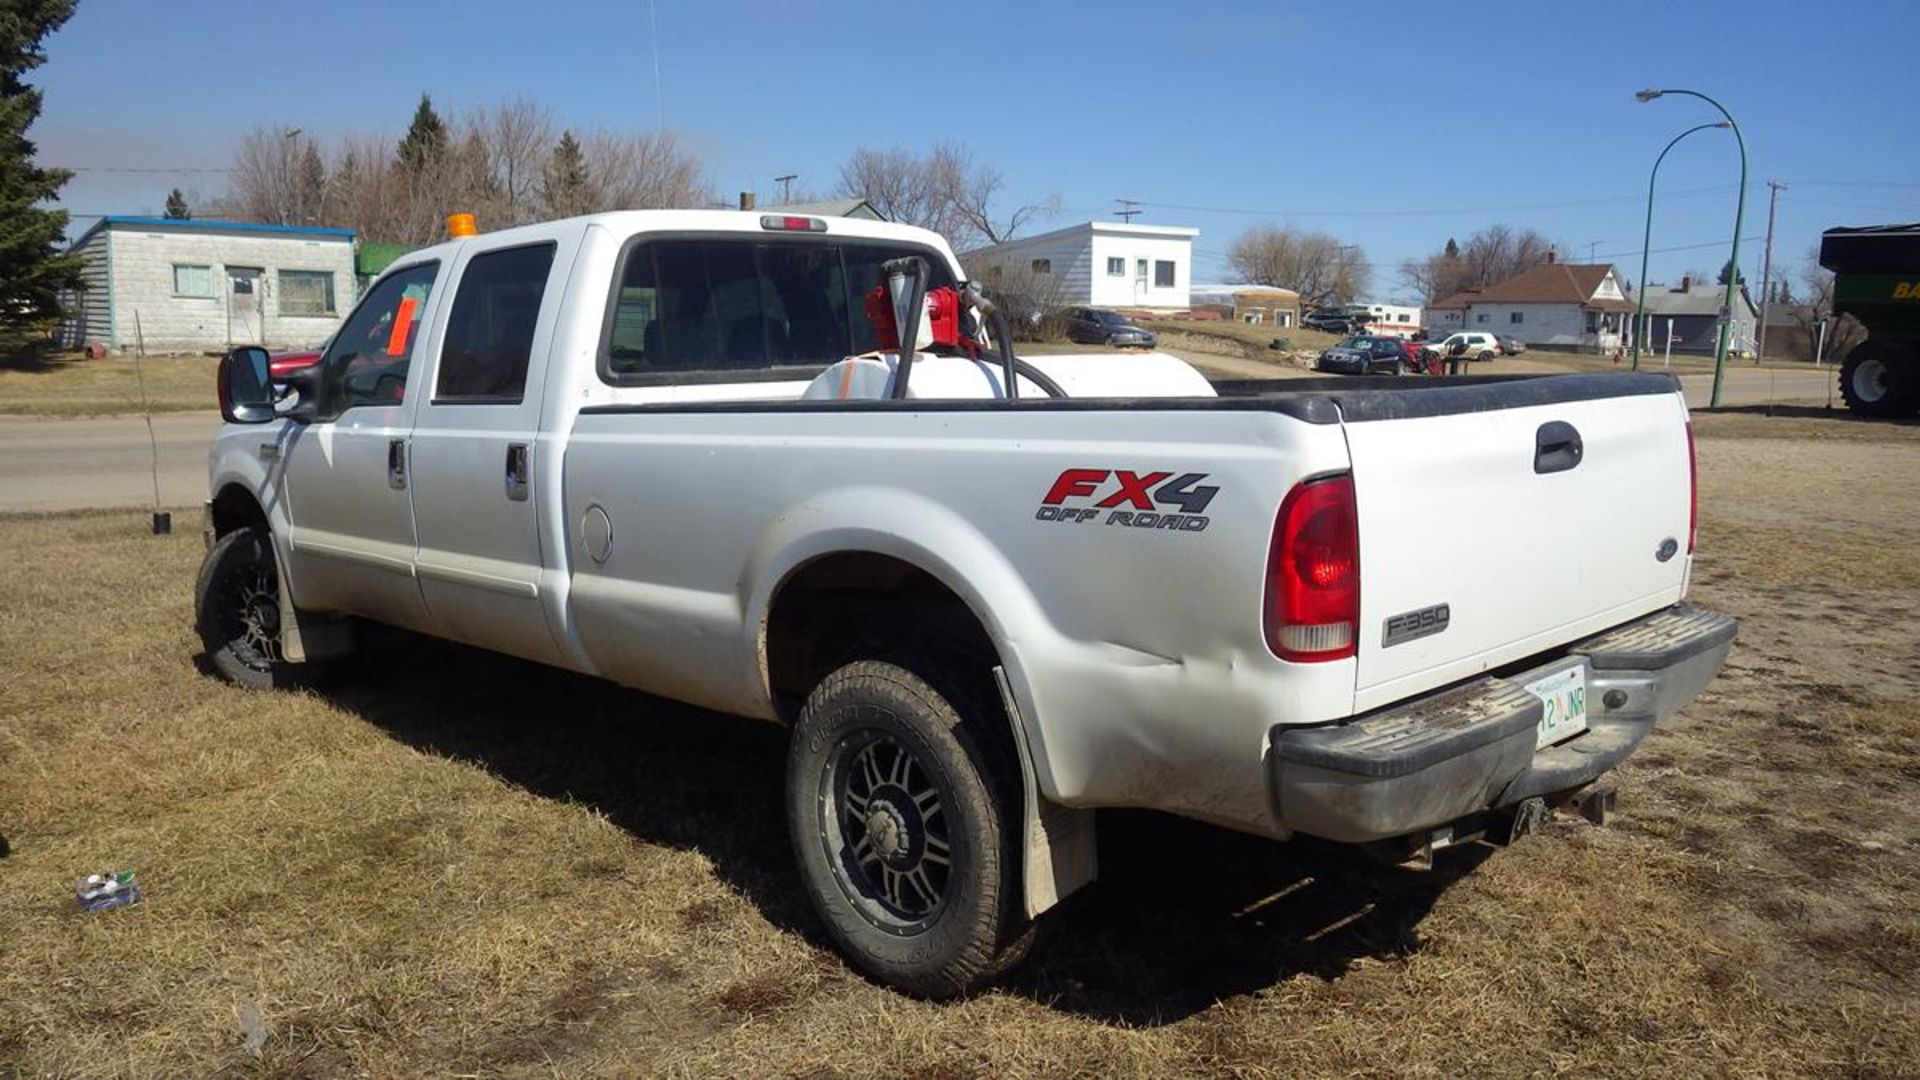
x=1358 y=343
x=1108 y=318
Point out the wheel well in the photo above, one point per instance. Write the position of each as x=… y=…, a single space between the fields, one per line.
x=861 y=605
x=235 y=508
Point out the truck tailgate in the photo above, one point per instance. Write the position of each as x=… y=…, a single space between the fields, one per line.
x=1528 y=542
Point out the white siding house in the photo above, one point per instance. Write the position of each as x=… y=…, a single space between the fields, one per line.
x=1555 y=304
x=191 y=286
x=1097 y=264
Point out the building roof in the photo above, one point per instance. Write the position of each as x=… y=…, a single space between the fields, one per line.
x=1701 y=299
x=1548 y=283
x=1242 y=290
x=853 y=207
x=1112 y=228
x=149 y=224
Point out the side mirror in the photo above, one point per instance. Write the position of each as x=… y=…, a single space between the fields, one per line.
x=246 y=387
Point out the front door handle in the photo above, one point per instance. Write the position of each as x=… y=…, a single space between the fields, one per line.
x=397 y=464
x=517 y=472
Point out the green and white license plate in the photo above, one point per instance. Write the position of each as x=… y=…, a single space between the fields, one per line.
x=1564 y=695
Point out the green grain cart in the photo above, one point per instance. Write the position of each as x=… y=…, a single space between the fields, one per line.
x=1877 y=281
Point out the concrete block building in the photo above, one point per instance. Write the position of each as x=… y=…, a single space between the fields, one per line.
x=201 y=286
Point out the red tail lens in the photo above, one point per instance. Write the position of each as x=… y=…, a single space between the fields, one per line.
x=1693 y=492
x=1313 y=573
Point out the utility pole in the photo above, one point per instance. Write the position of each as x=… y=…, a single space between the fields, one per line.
x=786 y=186
x=1128 y=208
x=1766 y=271
x=1593 y=246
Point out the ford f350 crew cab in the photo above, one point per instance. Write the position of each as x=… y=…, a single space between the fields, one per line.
x=989 y=594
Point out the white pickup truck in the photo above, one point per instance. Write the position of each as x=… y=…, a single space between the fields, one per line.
x=988 y=595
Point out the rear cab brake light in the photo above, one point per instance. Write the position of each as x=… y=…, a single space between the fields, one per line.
x=1312 y=610
x=792 y=223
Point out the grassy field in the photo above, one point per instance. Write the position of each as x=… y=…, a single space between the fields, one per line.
x=36 y=383
x=448 y=863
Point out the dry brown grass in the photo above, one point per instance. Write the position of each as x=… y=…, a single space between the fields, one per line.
x=68 y=384
x=446 y=862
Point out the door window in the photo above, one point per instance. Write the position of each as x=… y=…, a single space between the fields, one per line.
x=490 y=331
x=368 y=360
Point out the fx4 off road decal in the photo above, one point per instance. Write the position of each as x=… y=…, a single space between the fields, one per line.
x=1133 y=500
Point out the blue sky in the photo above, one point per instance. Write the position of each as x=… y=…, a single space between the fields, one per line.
x=1392 y=126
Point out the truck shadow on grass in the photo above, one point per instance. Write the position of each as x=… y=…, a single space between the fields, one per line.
x=1184 y=915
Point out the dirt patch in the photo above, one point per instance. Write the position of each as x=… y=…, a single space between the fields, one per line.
x=448 y=862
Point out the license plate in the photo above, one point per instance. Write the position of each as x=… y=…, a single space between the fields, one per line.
x=1564 y=697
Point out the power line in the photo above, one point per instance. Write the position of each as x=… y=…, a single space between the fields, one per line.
x=135 y=169
x=1565 y=204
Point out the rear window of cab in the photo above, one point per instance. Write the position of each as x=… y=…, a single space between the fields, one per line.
x=743 y=304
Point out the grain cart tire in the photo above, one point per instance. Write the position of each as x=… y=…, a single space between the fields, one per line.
x=237 y=613
x=905 y=816
x=1879 y=379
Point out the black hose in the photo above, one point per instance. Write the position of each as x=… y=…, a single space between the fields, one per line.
x=914 y=267
x=1014 y=367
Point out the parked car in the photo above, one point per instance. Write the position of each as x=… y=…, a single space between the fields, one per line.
x=1369 y=355
x=286 y=363
x=1510 y=345
x=1332 y=321
x=1094 y=326
x=975 y=624
x=1479 y=345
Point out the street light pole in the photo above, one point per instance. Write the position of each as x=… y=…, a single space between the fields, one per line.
x=1646 y=242
x=1739 y=221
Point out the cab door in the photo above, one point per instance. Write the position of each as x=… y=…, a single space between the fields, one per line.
x=476 y=441
x=351 y=541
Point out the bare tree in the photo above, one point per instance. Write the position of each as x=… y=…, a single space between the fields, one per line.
x=492 y=162
x=946 y=191
x=518 y=135
x=1317 y=266
x=1816 y=307
x=1490 y=256
x=265 y=178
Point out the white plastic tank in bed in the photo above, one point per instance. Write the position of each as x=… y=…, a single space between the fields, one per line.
x=869 y=377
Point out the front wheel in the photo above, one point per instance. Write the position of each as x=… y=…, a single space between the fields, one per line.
x=237 y=612
x=904 y=815
x=1485 y=356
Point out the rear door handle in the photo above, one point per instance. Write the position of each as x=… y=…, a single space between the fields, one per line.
x=397 y=464
x=517 y=472
x=1556 y=447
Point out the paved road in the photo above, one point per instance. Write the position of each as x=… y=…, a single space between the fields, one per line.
x=102 y=461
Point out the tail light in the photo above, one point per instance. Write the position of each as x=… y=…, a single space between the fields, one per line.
x=1313 y=573
x=1693 y=492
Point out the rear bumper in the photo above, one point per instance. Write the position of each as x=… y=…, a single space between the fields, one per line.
x=1470 y=749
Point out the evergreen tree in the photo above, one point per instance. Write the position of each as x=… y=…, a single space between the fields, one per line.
x=33 y=272
x=177 y=206
x=426 y=142
x=563 y=185
x=1453 y=249
x=1729 y=270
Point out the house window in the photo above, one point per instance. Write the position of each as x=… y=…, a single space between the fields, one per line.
x=1517 y=317
x=1043 y=266
x=306 y=292
x=192 y=280
x=1593 y=322
x=1116 y=267
x=1481 y=317
x=1163 y=274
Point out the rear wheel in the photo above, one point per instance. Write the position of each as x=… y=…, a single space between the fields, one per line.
x=1879 y=379
x=904 y=815
x=1487 y=355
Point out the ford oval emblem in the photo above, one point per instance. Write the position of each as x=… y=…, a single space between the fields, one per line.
x=1666 y=549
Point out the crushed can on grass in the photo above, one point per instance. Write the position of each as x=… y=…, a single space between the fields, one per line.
x=98 y=892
